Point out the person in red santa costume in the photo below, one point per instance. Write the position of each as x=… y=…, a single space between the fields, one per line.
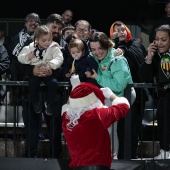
x=85 y=123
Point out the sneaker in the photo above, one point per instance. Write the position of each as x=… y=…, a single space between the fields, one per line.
x=163 y=155
x=49 y=109
x=115 y=155
x=38 y=107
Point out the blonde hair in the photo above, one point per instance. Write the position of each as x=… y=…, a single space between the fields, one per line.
x=78 y=43
x=41 y=31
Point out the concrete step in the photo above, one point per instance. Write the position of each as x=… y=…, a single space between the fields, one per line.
x=9 y=148
x=148 y=149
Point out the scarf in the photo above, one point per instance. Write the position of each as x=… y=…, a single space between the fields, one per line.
x=24 y=37
x=39 y=52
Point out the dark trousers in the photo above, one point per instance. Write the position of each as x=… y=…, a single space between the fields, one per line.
x=163 y=113
x=34 y=86
x=33 y=121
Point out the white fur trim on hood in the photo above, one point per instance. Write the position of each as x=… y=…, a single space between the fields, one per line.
x=84 y=101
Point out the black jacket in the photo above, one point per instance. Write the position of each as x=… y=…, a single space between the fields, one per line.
x=85 y=63
x=135 y=54
x=4 y=60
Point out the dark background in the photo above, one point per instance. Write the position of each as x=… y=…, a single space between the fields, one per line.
x=100 y=13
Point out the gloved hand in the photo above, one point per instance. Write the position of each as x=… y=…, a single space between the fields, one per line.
x=107 y=92
x=75 y=81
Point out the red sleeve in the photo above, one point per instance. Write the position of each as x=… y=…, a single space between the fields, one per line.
x=112 y=114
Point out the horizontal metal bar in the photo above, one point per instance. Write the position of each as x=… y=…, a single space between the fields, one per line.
x=25 y=83
x=140 y=85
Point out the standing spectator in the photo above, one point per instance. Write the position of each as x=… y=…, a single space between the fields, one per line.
x=156 y=66
x=46 y=52
x=67 y=17
x=83 y=29
x=85 y=123
x=18 y=73
x=23 y=38
x=55 y=23
x=33 y=121
x=135 y=53
x=66 y=31
x=113 y=72
x=4 y=66
x=79 y=61
x=165 y=19
x=4 y=39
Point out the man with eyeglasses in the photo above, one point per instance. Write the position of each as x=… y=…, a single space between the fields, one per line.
x=83 y=29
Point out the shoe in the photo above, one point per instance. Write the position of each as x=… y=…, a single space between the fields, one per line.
x=38 y=107
x=163 y=155
x=49 y=109
x=41 y=136
x=115 y=156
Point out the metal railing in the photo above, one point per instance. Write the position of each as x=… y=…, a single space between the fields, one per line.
x=15 y=127
x=12 y=131
x=146 y=86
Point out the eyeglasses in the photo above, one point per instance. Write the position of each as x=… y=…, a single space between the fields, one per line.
x=82 y=30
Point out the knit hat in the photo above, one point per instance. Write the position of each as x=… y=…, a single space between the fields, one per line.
x=129 y=35
x=84 y=95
